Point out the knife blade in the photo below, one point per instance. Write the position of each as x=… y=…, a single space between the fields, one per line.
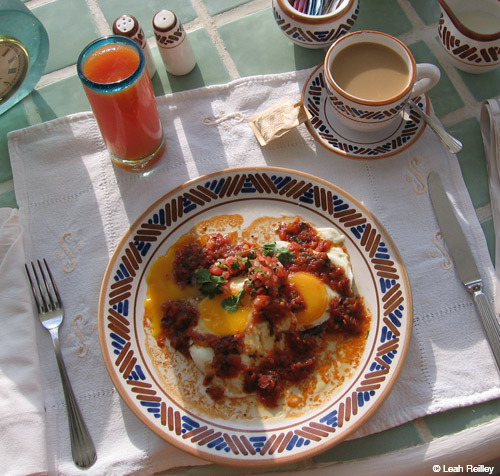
x=464 y=261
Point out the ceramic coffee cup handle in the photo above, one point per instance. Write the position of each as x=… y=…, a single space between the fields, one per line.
x=427 y=77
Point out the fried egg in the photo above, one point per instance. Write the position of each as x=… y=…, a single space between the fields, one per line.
x=256 y=343
x=336 y=253
x=215 y=319
x=257 y=340
x=162 y=287
x=316 y=293
x=331 y=234
x=317 y=296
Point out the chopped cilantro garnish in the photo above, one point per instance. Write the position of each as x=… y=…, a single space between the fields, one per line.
x=209 y=284
x=236 y=265
x=230 y=304
x=282 y=253
x=268 y=249
x=250 y=254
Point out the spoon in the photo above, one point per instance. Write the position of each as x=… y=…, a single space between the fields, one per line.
x=453 y=144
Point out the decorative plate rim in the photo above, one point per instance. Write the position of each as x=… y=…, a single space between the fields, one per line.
x=265 y=449
x=382 y=151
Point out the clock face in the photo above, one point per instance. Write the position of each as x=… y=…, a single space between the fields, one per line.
x=14 y=63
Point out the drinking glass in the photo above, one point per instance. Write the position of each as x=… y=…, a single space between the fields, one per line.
x=114 y=76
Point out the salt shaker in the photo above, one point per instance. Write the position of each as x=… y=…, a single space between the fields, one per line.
x=173 y=43
x=127 y=25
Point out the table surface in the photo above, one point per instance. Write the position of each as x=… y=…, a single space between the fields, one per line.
x=239 y=38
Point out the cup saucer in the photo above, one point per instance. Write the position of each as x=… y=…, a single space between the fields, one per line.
x=327 y=129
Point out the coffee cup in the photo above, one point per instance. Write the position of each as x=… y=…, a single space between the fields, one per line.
x=370 y=75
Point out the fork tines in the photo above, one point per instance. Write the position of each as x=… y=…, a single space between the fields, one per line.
x=45 y=292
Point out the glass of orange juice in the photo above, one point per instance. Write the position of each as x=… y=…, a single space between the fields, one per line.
x=115 y=79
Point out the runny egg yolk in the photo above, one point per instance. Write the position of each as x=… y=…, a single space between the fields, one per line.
x=316 y=298
x=162 y=287
x=221 y=322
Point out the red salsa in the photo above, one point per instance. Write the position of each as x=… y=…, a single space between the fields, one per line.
x=266 y=269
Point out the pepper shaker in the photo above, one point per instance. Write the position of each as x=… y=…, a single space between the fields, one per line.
x=173 y=43
x=127 y=25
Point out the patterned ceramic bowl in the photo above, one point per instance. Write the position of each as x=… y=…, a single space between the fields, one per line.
x=366 y=113
x=315 y=31
x=470 y=34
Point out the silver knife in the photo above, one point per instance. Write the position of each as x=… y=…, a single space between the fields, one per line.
x=464 y=261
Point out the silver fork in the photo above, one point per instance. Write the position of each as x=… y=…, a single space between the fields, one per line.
x=51 y=313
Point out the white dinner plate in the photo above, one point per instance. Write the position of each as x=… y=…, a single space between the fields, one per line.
x=379 y=274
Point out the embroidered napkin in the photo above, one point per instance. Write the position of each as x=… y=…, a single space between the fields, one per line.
x=75 y=206
x=490 y=129
x=22 y=417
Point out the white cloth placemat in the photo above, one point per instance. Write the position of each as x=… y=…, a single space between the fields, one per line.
x=490 y=129
x=75 y=206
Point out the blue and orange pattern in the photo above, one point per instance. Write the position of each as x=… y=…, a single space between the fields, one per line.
x=394 y=316
x=319 y=36
x=321 y=126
